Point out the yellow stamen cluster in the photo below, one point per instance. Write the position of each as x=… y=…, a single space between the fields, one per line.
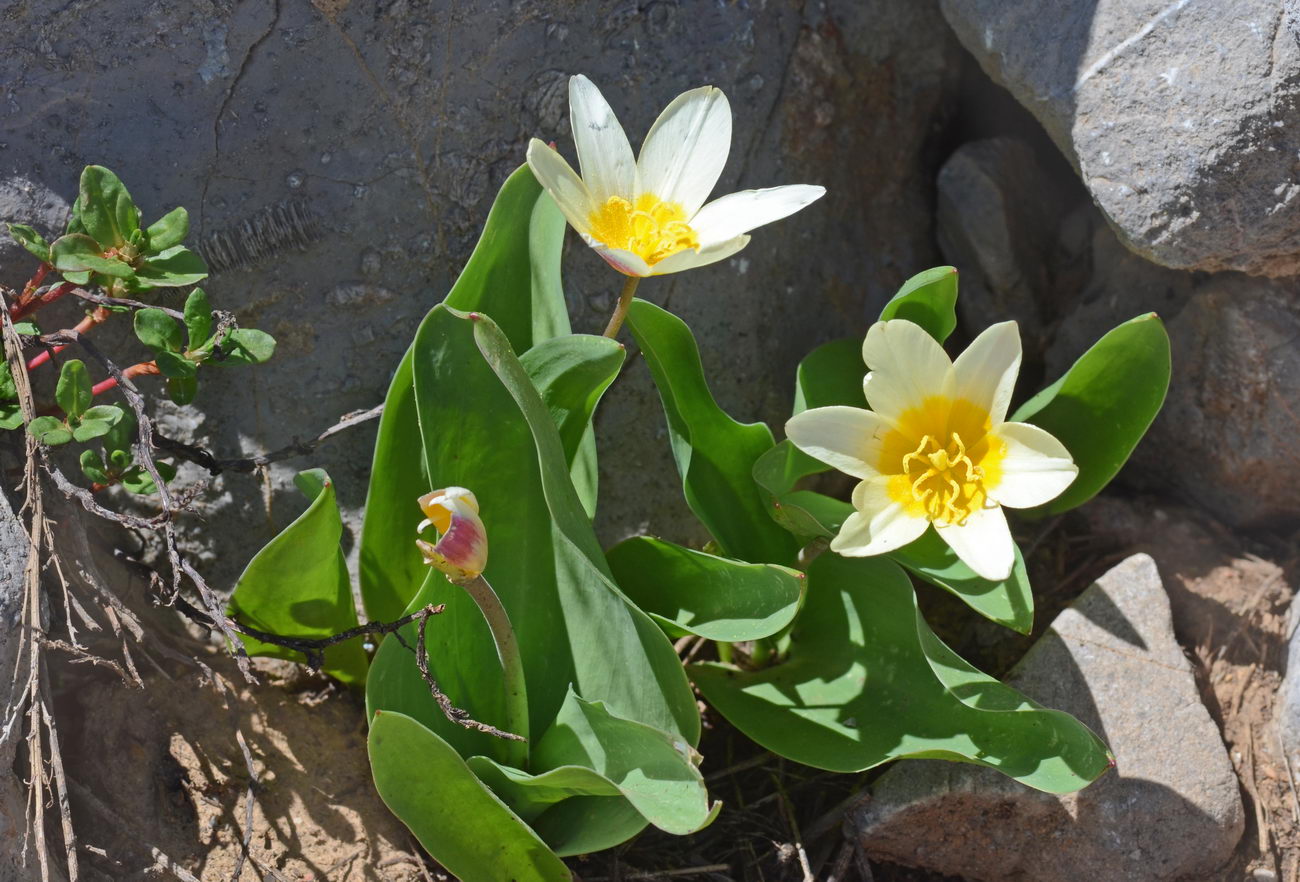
x=651 y=228
x=943 y=480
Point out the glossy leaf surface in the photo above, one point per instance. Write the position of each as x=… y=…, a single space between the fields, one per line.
x=928 y=299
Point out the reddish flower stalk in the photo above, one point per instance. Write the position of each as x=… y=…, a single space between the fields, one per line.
x=97 y=317
x=26 y=306
x=142 y=369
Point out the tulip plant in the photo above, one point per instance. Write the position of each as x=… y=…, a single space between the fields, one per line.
x=586 y=722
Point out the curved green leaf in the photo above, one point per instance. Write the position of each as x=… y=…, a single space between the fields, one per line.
x=79 y=253
x=298 y=586
x=928 y=299
x=105 y=208
x=198 y=317
x=829 y=375
x=33 y=241
x=73 y=391
x=1009 y=603
x=572 y=373
x=245 y=346
x=1104 y=404
x=463 y=825
x=689 y=591
x=715 y=455
x=159 y=331
x=172 y=267
x=170 y=229
x=50 y=430
x=806 y=514
x=867 y=682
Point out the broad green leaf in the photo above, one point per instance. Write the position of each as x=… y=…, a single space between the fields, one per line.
x=73 y=391
x=1103 y=405
x=1009 y=603
x=31 y=240
x=390 y=566
x=298 y=585
x=514 y=273
x=11 y=416
x=463 y=825
x=867 y=681
x=96 y=422
x=92 y=466
x=928 y=299
x=50 y=430
x=174 y=366
x=715 y=455
x=106 y=210
x=119 y=459
x=198 y=317
x=137 y=480
x=572 y=373
x=170 y=229
x=28 y=328
x=692 y=592
x=246 y=346
x=159 y=331
x=172 y=267
x=182 y=389
x=77 y=253
x=122 y=435
x=831 y=374
x=7 y=388
x=806 y=514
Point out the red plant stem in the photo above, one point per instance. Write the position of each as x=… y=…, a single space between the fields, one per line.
x=97 y=317
x=135 y=370
x=26 y=307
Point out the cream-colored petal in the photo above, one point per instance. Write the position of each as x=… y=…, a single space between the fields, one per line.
x=604 y=155
x=907 y=367
x=625 y=262
x=686 y=148
x=986 y=372
x=879 y=525
x=741 y=212
x=559 y=179
x=690 y=258
x=1035 y=467
x=848 y=438
x=983 y=543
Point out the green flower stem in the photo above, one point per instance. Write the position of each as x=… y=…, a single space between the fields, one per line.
x=620 y=311
x=512 y=666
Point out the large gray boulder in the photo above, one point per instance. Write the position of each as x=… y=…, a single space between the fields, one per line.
x=1170 y=810
x=14 y=550
x=1180 y=116
x=339 y=158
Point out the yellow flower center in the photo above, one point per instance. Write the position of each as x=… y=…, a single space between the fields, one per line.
x=942 y=461
x=651 y=228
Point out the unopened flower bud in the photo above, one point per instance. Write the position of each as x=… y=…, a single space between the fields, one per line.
x=461 y=550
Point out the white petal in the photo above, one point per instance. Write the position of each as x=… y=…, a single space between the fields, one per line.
x=741 y=212
x=848 y=438
x=686 y=148
x=625 y=262
x=604 y=155
x=559 y=179
x=879 y=525
x=1035 y=467
x=690 y=258
x=983 y=543
x=986 y=371
x=907 y=367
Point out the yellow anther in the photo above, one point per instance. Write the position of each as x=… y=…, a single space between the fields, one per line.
x=652 y=229
x=944 y=480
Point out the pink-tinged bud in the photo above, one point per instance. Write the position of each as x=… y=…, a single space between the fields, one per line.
x=461 y=550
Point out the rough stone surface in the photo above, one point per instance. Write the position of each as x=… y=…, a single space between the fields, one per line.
x=1171 y=809
x=392 y=126
x=1230 y=424
x=996 y=222
x=13 y=563
x=1180 y=116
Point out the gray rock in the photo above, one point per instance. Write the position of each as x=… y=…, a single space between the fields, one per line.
x=1236 y=365
x=1180 y=116
x=25 y=201
x=996 y=222
x=367 y=142
x=13 y=797
x=1170 y=810
x=1288 y=698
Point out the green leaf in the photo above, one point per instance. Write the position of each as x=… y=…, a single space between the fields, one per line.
x=96 y=422
x=181 y=390
x=572 y=373
x=11 y=416
x=692 y=592
x=246 y=346
x=78 y=278
x=31 y=240
x=514 y=273
x=829 y=375
x=457 y=819
x=50 y=430
x=120 y=460
x=806 y=514
x=198 y=318
x=105 y=208
x=174 y=366
x=73 y=390
x=28 y=328
x=867 y=681
x=928 y=299
x=1009 y=603
x=92 y=466
x=485 y=427
x=298 y=585
x=7 y=388
x=172 y=267
x=159 y=331
x=137 y=480
x=76 y=253
x=1103 y=405
x=170 y=229
x=715 y=455
x=122 y=435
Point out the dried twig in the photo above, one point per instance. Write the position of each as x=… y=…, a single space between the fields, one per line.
x=248 y=806
x=453 y=713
